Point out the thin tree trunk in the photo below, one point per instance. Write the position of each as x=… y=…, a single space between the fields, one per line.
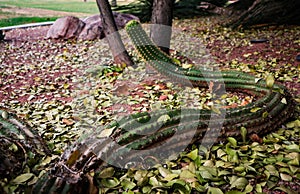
x=112 y=35
x=161 y=31
x=269 y=12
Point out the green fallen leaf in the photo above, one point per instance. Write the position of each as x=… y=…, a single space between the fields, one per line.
x=216 y=109
x=239 y=169
x=285 y=177
x=272 y=170
x=293 y=124
x=163 y=118
x=213 y=190
x=270 y=80
x=243 y=134
x=265 y=114
x=110 y=182
x=293 y=148
x=181 y=187
x=176 y=61
x=255 y=109
x=193 y=154
x=163 y=172
x=139 y=174
x=284 y=189
x=220 y=153
x=239 y=183
x=170 y=177
x=153 y=181
x=22 y=178
x=46 y=161
x=232 y=155
x=258 y=188
x=232 y=141
x=187 y=66
x=186 y=174
x=107 y=172
x=146 y=189
x=206 y=174
x=127 y=184
x=248 y=188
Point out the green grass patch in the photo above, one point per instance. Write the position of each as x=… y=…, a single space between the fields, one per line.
x=3 y=6
x=57 y=5
x=24 y=20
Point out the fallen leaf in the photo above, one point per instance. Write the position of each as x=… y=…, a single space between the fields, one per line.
x=68 y=121
x=163 y=97
x=255 y=138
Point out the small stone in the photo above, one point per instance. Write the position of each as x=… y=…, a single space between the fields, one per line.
x=2 y=35
x=261 y=40
x=4 y=114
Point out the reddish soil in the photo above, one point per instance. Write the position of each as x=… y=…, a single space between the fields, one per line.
x=29 y=34
x=16 y=77
x=275 y=48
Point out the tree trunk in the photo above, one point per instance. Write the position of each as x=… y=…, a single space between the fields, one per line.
x=219 y=3
x=162 y=15
x=241 y=5
x=269 y=12
x=112 y=35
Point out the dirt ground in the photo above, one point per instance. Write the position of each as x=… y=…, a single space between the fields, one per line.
x=8 y=12
x=19 y=42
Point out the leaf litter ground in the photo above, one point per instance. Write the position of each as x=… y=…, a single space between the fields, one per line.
x=63 y=87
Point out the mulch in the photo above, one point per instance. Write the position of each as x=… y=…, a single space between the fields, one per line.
x=269 y=50
x=29 y=34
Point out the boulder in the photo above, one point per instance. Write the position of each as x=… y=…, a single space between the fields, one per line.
x=93 y=28
x=89 y=28
x=122 y=19
x=66 y=28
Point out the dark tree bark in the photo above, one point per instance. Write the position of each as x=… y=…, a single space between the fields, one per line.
x=269 y=12
x=112 y=35
x=218 y=3
x=241 y=5
x=162 y=14
x=233 y=9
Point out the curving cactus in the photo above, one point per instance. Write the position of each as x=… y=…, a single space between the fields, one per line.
x=135 y=132
x=18 y=144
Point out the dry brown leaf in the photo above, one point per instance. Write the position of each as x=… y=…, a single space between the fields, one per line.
x=67 y=121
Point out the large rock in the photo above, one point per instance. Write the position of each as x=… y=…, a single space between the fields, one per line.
x=93 y=28
x=122 y=19
x=89 y=28
x=66 y=28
